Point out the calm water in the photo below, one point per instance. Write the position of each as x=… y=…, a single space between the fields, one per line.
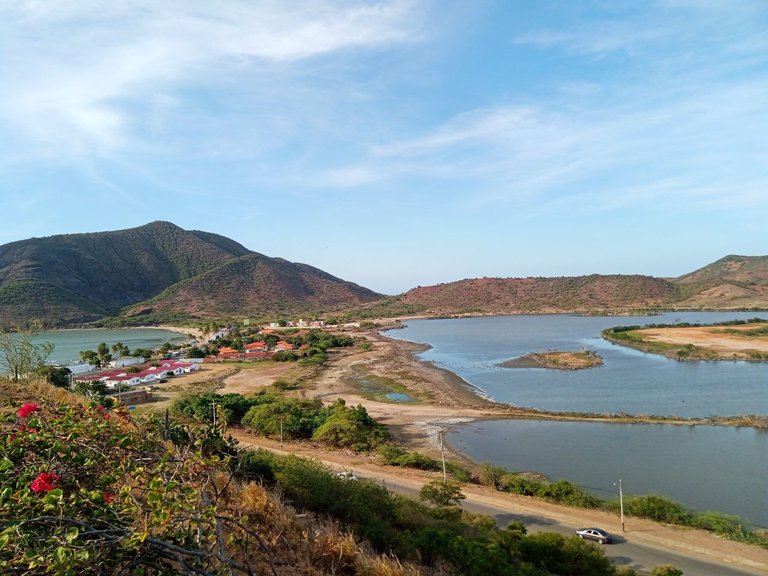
x=704 y=467
x=630 y=381
x=69 y=343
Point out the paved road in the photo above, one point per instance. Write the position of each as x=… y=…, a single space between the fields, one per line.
x=622 y=552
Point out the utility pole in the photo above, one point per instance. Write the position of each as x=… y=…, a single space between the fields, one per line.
x=621 y=504
x=442 y=456
x=281 y=432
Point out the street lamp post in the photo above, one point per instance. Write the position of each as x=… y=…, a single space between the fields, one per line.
x=621 y=504
x=442 y=456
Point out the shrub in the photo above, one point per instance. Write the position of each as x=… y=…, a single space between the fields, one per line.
x=568 y=493
x=351 y=428
x=658 y=508
x=666 y=570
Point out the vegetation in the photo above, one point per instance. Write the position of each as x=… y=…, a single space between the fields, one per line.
x=20 y=356
x=85 y=488
x=634 y=337
x=442 y=536
x=557 y=360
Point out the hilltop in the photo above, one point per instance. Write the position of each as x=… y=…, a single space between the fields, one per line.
x=161 y=273
x=179 y=274
x=733 y=282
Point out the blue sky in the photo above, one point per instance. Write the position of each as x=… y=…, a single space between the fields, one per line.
x=396 y=143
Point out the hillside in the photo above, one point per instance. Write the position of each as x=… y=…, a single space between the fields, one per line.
x=731 y=282
x=594 y=293
x=254 y=285
x=81 y=277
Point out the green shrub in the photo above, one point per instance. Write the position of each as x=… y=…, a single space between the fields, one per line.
x=666 y=570
x=519 y=484
x=568 y=493
x=351 y=428
x=659 y=509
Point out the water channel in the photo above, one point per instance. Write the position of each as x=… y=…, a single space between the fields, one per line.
x=723 y=469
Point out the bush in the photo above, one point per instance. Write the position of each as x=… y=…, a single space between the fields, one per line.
x=569 y=493
x=491 y=474
x=666 y=570
x=519 y=484
x=659 y=509
x=351 y=428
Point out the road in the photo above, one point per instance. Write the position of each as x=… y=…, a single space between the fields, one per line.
x=643 y=546
x=623 y=552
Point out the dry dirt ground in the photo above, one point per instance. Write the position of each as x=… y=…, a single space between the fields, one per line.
x=711 y=338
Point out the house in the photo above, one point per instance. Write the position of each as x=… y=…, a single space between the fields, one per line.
x=80 y=368
x=256 y=347
x=126 y=361
x=283 y=346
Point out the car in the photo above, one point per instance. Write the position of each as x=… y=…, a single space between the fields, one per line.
x=346 y=476
x=596 y=534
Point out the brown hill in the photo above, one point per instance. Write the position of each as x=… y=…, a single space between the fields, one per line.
x=592 y=293
x=255 y=285
x=731 y=282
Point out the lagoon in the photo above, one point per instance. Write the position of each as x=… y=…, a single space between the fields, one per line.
x=704 y=467
x=69 y=343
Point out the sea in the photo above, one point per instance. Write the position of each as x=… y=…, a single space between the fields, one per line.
x=706 y=468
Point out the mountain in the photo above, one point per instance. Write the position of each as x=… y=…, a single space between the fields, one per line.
x=592 y=293
x=77 y=278
x=733 y=281
x=255 y=285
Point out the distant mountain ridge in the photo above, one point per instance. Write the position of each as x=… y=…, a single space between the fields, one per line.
x=78 y=278
x=160 y=272
x=733 y=282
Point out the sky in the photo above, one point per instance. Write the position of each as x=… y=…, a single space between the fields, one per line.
x=396 y=143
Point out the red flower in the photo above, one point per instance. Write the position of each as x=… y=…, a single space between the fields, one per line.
x=45 y=482
x=108 y=498
x=28 y=409
x=23 y=428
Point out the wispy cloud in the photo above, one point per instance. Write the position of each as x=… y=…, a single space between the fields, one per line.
x=78 y=76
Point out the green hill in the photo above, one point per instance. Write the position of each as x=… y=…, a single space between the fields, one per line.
x=79 y=278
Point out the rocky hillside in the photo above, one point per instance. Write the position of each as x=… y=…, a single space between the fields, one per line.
x=254 y=285
x=77 y=278
x=593 y=293
x=733 y=281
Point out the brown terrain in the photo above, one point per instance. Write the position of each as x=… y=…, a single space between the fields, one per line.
x=712 y=338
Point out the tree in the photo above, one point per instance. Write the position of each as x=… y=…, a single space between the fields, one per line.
x=20 y=355
x=119 y=349
x=58 y=376
x=439 y=493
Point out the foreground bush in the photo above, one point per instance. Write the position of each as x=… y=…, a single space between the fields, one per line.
x=87 y=491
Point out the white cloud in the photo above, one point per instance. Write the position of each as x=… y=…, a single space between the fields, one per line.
x=76 y=74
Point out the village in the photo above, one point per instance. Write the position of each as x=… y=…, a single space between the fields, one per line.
x=130 y=379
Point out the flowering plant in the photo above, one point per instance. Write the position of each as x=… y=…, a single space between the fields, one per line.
x=79 y=488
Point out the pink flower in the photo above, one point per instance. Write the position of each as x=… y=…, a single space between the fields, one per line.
x=28 y=409
x=45 y=482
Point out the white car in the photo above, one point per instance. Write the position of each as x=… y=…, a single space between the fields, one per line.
x=346 y=475
x=596 y=534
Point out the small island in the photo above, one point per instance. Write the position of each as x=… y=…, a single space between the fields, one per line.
x=558 y=360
